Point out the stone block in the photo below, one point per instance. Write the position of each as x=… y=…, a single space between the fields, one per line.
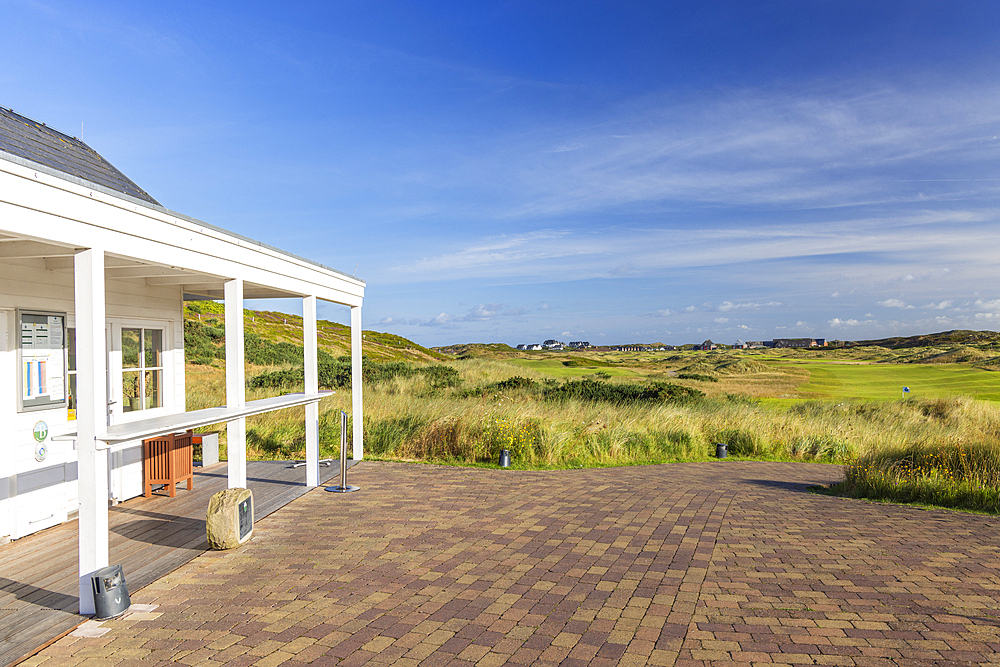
x=229 y=522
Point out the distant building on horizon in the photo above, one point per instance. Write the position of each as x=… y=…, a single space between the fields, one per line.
x=639 y=348
x=782 y=342
x=799 y=342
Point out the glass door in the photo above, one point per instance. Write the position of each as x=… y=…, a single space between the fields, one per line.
x=142 y=368
x=111 y=365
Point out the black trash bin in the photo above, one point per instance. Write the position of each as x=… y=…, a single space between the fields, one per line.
x=721 y=450
x=504 y=458
x=110 y=593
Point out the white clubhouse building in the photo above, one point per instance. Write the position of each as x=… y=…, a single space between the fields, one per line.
x=93 y=277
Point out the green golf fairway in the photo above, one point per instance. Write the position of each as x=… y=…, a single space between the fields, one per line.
x=887 y=381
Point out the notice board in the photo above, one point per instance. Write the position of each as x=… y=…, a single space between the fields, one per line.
x=42 y=360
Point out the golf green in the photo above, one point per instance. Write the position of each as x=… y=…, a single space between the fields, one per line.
x=827 y=380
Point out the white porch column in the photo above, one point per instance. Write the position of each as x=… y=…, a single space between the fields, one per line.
x=357 y=412
x=236 y=396
x=310 y=344
x=91 y=418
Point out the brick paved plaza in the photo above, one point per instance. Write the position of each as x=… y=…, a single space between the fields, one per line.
x=686 y=564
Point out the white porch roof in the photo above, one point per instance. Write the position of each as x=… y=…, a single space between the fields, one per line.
x=48 y=216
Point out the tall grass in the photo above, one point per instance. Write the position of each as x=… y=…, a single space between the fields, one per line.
x=955 y=462
x=941 y=451
x=943 y=474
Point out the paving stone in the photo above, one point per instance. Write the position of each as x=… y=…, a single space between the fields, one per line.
x=729 y=563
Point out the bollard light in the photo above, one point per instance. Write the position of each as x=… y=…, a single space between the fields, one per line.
x=110 y=593
x=343 y=487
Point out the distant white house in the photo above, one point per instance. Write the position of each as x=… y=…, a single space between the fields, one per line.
x=94 y=273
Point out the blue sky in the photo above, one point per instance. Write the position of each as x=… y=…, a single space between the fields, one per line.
x=604 y=171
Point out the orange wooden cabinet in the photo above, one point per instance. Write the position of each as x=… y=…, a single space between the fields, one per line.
x=167 y=460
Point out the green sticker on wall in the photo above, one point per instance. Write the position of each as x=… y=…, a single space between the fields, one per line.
x=41 y=431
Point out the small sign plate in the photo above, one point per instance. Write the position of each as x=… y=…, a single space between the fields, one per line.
x=246 y=517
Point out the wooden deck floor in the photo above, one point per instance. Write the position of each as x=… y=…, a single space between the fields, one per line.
x=149 y=538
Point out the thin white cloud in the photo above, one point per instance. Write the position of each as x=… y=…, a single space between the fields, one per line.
x=726 y=306
x=514 y=249
x=389 y=321
x=930 y=238
x=480 y=313
x=811 y=147
x=992 y=306
x=850 y=322
x=894 y=303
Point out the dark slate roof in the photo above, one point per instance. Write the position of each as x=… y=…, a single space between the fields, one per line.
x=34 y=141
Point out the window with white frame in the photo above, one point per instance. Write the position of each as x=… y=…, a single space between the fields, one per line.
x=142 y=368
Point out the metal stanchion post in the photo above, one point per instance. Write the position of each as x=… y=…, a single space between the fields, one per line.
x=343 y=487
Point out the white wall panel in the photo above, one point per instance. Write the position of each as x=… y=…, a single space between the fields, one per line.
x=8 y=406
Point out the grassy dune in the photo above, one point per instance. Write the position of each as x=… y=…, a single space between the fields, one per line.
x=205 y=323
x=939 y=446
x=574 y=367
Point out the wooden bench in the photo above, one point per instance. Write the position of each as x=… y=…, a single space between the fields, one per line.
x=167 y=460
